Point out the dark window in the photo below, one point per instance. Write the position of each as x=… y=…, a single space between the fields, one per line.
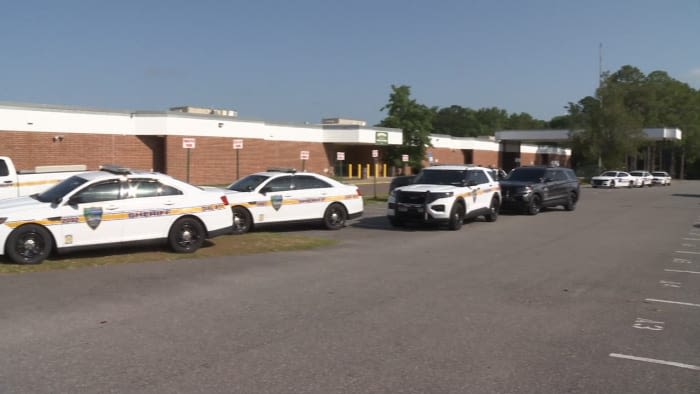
x=477 y=176
x=309 y=182
x=104 y=191
x=138 y=188
x=526 y=174
x=559 y=176
x=4 y=171
x=441 y=177
x=280 y=184
x=249 y=183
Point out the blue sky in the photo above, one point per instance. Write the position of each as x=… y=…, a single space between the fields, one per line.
x=300 y=61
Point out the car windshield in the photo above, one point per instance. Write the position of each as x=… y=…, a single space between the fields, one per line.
x=441 y=177
x=60 y=190
x=609 y=173
x=247 y=184
x=658 y=173
x=636 y=173
x=526 y=175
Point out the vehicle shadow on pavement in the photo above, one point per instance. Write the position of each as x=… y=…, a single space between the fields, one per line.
x=685 y=195
x=382 y=223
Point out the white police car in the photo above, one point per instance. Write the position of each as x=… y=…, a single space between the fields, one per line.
x=448 y=194
x=282 y=195
x=108 y=207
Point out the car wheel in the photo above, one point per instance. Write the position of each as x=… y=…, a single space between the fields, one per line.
x=335 y=216
x=456 y=217
x=571 y=202
x=535 y=205
x=612 y=184
x=186 y=235
x=492 y=216
x=394 y=221
x=29 y=244
x=242 y=221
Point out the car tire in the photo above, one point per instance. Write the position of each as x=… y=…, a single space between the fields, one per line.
x=29 y=244
x=456 y=217
x=492 y=216
x=612 y=184
x=186 y=235
x=571 y=202
x=535 y=205
x=334 y=217
x=242 y=220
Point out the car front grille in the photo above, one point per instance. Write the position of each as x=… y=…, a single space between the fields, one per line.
x=412 y=197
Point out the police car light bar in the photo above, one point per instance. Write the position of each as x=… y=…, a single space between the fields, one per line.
x=282 y=169
x=115 y=169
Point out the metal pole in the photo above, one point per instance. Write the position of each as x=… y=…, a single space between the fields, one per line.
x=237 y=165
x=188 y=165
x=375 y=179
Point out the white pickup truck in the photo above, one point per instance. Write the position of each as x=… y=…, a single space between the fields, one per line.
x=15 y=183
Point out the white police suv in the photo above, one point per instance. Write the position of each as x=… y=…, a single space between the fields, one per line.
x=446 y=194
x=109 y=207
x=282 y=195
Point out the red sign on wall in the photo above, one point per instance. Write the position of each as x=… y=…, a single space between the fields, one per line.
x=188 y=143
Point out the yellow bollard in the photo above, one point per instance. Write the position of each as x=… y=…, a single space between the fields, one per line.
x=359 y=171
x=384 y=170
x=349 y=171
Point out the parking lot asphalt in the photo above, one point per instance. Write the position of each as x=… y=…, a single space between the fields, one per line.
x=604 y=299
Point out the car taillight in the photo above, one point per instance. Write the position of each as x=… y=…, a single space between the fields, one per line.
x=224 y=200
x=359 y=192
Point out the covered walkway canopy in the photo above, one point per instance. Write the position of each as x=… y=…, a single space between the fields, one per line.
x=652 y=134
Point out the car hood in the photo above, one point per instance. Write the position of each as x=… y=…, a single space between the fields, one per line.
x=233 y=195
x=505 y=183
x=20 y=204
x=422 y=188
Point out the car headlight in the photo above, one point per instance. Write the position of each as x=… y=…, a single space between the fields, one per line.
x=526 y=190
x=436 y=196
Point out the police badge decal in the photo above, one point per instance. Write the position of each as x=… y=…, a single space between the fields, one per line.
x=276 y=202
x=93 y=217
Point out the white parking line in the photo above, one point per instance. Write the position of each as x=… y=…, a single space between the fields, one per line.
x=691 y=239
x=673 y=302
x=687 y=272
x=655 y=361
x=686 y=252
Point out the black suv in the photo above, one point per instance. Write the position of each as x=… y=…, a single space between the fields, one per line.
x=532 y=188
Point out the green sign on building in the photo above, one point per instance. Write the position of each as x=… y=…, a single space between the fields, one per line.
x=381 y=137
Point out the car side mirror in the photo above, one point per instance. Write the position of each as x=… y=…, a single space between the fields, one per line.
x=547 y=180
x=265 y=190
x=74 y=200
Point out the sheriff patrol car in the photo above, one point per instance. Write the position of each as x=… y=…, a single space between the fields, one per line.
x=281 y=195
x=111 y=206
x=446 y=194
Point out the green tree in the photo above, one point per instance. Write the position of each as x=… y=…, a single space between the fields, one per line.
x=416 y=122
x=627 y=102
x=456 y=121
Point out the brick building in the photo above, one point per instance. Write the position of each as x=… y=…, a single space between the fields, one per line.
x=35 y=135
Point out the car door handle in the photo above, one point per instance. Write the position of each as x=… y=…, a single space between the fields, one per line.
x=111 y=207
x=7 y=182
x=287 y=195
x=169 y=203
